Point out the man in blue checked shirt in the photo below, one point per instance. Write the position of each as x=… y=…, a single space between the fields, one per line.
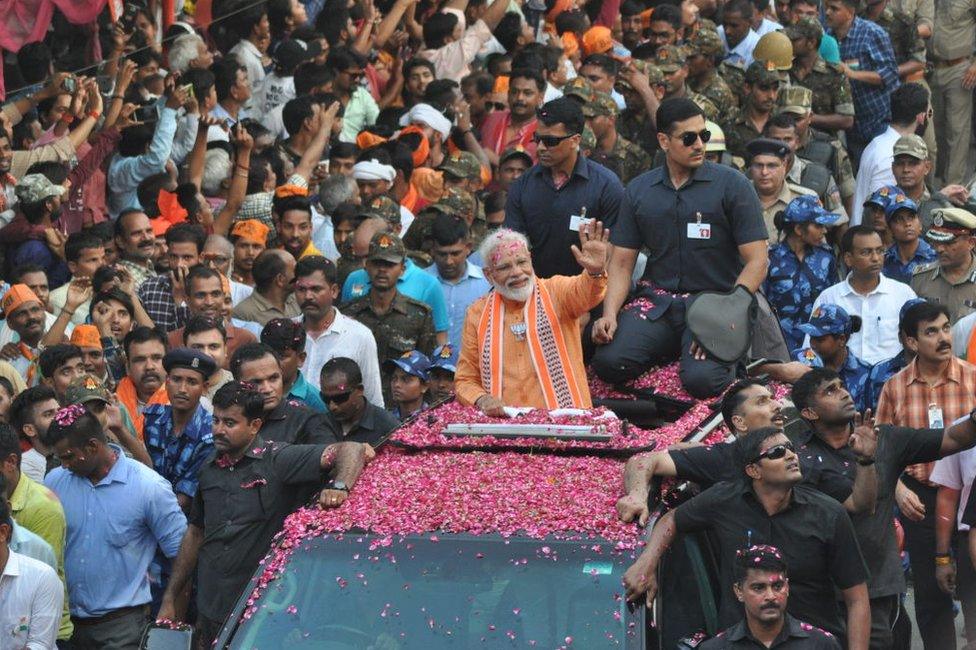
x=118 y=512
x=868 y=60
x=179 y=434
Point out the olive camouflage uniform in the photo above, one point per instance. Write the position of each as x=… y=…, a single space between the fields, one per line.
x=633 y=123
x=903 y=32
x=625 y=158
x=708 y=43
x=455 y=201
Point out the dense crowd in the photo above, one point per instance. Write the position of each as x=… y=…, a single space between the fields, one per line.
x=241 y=241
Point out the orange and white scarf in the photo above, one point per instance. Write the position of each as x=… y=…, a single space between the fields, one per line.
x=547 y=349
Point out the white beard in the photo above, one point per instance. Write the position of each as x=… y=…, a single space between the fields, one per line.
x=517 y=295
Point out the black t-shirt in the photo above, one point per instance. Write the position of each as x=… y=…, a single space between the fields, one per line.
x=814 y=534
x=656 y=216
x=292 y=421
x=705 y=466
x=794 y=636
x=832 y=472
x=240 y=508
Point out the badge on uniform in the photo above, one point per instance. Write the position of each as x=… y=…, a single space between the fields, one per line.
x=699 y=231
x=576 y=221
x=935 y=417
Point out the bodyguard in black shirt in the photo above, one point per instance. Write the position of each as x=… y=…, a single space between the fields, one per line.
x=283 y=420
x=762 y=585
x=703 y=230
x=830 y=465
x=767 y=506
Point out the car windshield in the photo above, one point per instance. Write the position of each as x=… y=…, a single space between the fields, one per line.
x=445 y=591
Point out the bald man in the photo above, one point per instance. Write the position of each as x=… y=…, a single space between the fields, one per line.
x=274 y=275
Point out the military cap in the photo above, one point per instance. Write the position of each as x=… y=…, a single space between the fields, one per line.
x=516 y=151
x=86 y=389
x=808 y=209
x=413 y=363
x=387 y=248
x=600 y=104
x=578 y=87
x=828 y=319
x=795 y=100
x=670 y=58
x=762 y=72
x=769 y=147
x=34 y=188
x=706 y=42
x=949 y=223
x=383 y=207
x=911 y=145
x=588 y=139
x=805 y=27
x=445 y=357
x=191 y=359
x=654 y=74
x=462 y=164
x=455 y=201
x=899 y=202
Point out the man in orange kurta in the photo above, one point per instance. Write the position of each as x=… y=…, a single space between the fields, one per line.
x=521 y=342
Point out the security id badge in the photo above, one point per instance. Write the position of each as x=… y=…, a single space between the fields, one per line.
x=699 y=230
x=935 y=417
x=577 y=221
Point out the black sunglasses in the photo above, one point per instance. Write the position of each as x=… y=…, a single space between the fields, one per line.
x=776 y=451
x=550 y=140
x=338 y=398
x=496 y=106
x=690 y=137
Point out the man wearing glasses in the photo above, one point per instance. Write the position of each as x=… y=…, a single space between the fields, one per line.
x=701 y=225
x=350 y=414
x=766 y=505
x=550 y=201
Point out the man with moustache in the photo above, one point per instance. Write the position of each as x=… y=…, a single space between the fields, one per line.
x=830 y=464
x=702 y=228
x=250 y=238
x=40 y=203
x=25 y=316
x=524 y=317
x=934 y=389
x=328 y=332
x=179 y=434
x=142 y=385
x=767 y=505
x=136 y=243
x=762 y=585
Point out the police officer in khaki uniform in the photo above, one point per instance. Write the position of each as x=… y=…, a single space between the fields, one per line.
x=818 y=146
x=705 y=50
x=671 y=60
x=951 y=81
x=767 y=169
x=950 y=281
x=832 y=103
x=613 y=150
x=398 y=323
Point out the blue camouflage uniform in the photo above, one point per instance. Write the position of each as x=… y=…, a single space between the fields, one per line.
x=792 y=285
x=833 y=320
x=880 y=373
x=894 y=268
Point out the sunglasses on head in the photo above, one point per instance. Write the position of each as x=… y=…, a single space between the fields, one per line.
x=550 y=140
x=777 y=451
x=690 y=137
x=338 y=398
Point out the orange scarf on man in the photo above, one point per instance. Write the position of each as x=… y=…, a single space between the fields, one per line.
x=126 y=392
x=547 y=349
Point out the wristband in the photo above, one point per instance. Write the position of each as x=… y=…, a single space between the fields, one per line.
x=94 y=115
x=865 y=462
x=603 y=274
x=943 y=559
x=117 y=97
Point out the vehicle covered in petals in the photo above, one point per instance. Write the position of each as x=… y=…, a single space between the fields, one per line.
x=467 y=532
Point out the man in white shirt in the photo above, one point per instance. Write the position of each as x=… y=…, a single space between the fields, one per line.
x=328 y=333
x=737 y=33
x=909 y=114
x=31 y=595
x=255 y=32
x=868 y=294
